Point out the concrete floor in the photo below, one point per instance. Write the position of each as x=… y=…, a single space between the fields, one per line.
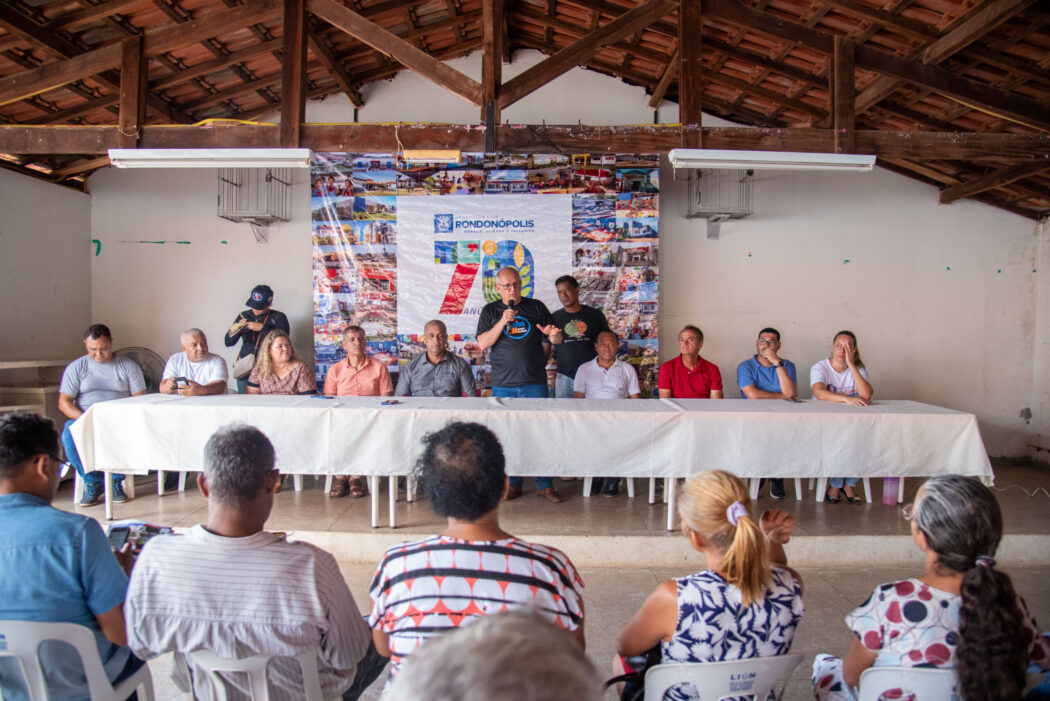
x=581 y=526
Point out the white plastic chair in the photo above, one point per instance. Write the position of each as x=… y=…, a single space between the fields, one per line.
x=255 y=668
x=751 y=678
x=925 y=684
x=21 y=640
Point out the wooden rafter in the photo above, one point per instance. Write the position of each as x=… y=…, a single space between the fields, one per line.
x=977 y=25
x=582 y=50
x=998 y=178
x=396 y=48
x=943 y=81
x=670 y=71
x=335 y=68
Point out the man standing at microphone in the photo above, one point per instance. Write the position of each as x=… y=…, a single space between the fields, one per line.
x=520 y=332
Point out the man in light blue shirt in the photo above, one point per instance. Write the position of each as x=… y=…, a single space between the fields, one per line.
x=56 y=566
x=766 y=376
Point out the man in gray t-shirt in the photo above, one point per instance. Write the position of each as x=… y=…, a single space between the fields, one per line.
x=96 y=377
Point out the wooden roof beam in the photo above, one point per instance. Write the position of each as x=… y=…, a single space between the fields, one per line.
x=582 y=50
x=492 y=19
x=293 y=73
x=975 y=26
x=690 y=73
x=86 y=15
x=214 y=65
x=396 y=48
x=990 y=147
x=81 y=166
x=1011 y=106
x=53 y=75
x=670 y=71
x=342 y=78
x=998 y=178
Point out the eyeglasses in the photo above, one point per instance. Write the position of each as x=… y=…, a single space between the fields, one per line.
x=767 y=342
x=508 y=286
x=908 y=511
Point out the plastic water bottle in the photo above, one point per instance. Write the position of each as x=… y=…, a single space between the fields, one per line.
x=889 y=490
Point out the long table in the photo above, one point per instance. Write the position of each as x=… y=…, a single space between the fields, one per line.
x=556 y=437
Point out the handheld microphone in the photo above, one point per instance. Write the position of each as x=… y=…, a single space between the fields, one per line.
x=513 y=306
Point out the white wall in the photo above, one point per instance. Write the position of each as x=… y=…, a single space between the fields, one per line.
x=45 y=274
x=961 y=338
x=168 y=262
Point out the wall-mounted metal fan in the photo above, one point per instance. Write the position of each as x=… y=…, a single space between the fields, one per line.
x=152 y=365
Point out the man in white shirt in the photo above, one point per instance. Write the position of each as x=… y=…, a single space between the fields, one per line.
x=233 y=588
x=606 y=377
x=194 y=371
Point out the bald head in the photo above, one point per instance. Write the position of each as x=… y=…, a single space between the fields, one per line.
x=508 y=283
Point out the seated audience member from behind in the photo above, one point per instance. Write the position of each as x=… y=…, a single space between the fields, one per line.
x=606 y=377
x=437 y=373
x=231 y=587
x=766 y=375
x=689 y=376
x=485 y=661
x=473 y=567
x=98 y=376
x=580 y=325
x=55 y=566
x=194 y=371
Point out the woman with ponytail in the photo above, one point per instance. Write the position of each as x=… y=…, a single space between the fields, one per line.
x=962 y=613
x=747 y=602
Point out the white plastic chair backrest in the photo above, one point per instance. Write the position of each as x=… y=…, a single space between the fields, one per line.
x=753 y=677
x=255 y=667
x=923 y=683
x=22 y=639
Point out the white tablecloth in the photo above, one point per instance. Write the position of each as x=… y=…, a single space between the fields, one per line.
x=558 y=437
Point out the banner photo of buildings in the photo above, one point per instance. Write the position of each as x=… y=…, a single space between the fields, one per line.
x=398 y=243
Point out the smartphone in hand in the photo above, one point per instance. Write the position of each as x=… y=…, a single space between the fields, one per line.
x=118 y=536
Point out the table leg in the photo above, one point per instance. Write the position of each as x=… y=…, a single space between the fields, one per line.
x=107 y=490
x=630 y=487
x=587 y=486
x=822 y=488
x=798 y=488
x=410 y=488
x=652 y=490
x=393 y=500
x=753 y=486
x=900 y=490
x=373 y=487
x=669 y=487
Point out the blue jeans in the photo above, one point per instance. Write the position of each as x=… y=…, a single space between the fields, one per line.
x=530 y=392
x=368 y=670
x=73 y=458
x=563 y=386
x=840 y=482
x=242 y=386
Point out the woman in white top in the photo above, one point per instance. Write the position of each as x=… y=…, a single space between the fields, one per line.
x=842 y=378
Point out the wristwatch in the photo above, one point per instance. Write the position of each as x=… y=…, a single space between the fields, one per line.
x=779 y=365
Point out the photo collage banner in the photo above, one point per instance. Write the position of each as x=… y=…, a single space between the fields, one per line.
x=396 y=244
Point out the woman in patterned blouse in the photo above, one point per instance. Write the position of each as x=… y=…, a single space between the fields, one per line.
x=279 y=370
x=961 y=613
x=746 y=604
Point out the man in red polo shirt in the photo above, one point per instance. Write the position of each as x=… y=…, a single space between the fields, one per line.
x=689 y=376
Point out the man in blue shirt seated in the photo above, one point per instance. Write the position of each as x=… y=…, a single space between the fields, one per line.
x=57 y=566
x=765 y=376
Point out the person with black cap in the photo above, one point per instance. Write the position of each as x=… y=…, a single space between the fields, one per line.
x=249 y=328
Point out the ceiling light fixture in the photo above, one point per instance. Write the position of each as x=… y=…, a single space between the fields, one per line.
x=210 y=157
x=769 y=160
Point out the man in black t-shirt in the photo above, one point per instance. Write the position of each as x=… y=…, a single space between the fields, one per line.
x=520 y=332
x=580 y=325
